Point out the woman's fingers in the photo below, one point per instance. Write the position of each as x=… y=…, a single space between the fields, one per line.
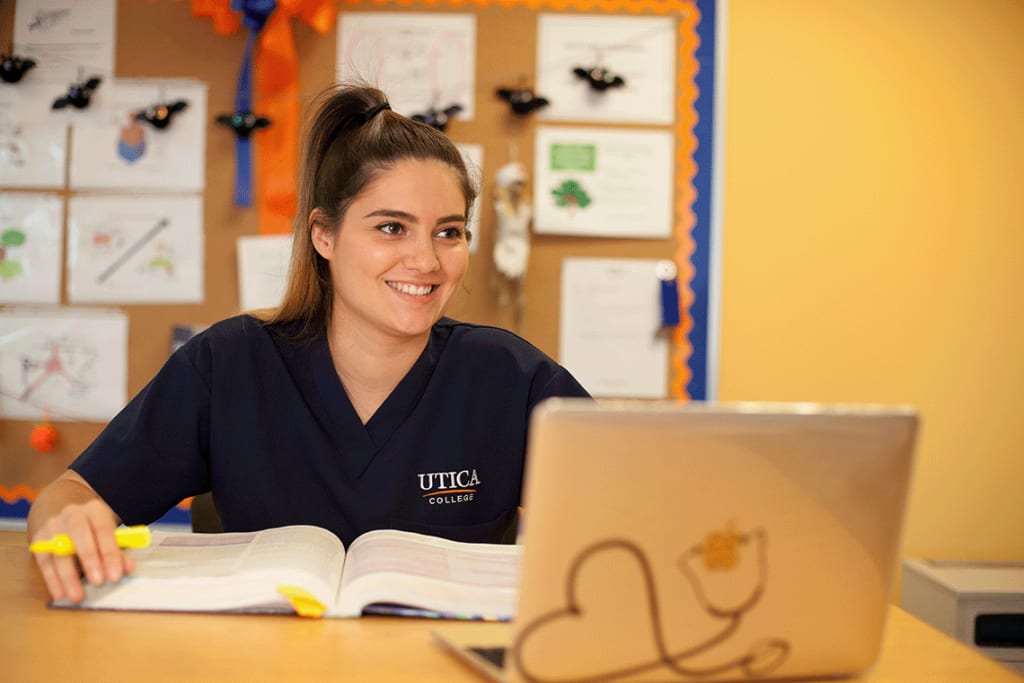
x=97 y=558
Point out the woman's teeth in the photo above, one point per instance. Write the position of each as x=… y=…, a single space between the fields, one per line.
x=415 y=290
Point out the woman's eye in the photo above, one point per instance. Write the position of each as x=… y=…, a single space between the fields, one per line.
x=453 y=233
x=390 y=228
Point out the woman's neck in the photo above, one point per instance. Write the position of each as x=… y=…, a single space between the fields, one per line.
x=371 y=366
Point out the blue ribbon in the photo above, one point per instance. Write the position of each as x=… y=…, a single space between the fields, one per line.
x=669 y=303
x=255 y=15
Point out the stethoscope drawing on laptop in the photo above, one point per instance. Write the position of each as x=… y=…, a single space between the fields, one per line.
x=718 y=552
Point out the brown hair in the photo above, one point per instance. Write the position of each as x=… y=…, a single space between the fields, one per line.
x=352 y=135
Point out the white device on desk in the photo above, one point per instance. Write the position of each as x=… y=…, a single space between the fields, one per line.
x=668 y=541
x=978 y=603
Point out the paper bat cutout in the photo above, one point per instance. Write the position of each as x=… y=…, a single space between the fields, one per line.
x=160 y=115
x=243 y=122
x=522 y=101
x=599 y=77
x=78 y=94
x=13 y=67
x=438 y=118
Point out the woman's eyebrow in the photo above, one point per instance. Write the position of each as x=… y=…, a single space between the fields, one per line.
x=391 y=213
x=453 y=218
x=405 y=215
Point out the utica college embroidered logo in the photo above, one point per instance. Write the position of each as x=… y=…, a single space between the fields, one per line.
x=447 y=488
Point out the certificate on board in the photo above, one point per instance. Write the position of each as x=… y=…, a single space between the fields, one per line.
x=598 y=182
x=610 y=335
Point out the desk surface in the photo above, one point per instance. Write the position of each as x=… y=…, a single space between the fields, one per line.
x=37 y=643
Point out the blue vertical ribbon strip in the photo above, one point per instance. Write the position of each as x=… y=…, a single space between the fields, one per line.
x=243 y=143
x=255 y=15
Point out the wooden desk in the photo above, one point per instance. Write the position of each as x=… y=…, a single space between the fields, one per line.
x=40 y=644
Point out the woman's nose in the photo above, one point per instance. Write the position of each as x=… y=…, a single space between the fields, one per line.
x=422 y=254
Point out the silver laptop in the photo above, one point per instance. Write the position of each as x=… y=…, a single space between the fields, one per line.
x=691 y=541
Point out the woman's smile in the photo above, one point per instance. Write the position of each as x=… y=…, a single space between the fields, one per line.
x=415 y=290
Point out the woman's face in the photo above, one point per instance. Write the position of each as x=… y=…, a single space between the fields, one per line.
x=399 y=253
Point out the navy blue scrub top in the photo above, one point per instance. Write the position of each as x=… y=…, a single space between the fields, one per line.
x=247 y=411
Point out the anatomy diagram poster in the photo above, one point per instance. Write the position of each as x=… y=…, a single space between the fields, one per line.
x=67 y=365
x=135 y=249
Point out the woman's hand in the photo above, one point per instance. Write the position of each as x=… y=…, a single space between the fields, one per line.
x=70 y=506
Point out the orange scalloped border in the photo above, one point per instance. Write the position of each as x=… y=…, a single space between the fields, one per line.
x=19 y=492
x=686 y=140
x=632 y=6
x=686 y=194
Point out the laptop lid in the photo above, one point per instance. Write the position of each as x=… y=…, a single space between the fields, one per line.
x=690 y=541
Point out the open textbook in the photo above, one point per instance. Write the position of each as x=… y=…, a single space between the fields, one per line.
x=306 y=570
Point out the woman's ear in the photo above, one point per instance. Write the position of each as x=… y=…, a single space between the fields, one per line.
x=320 y=234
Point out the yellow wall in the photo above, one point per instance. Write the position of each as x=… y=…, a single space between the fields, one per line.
x=874 y=236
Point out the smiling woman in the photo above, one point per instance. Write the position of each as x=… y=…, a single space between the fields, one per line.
x=356 y=404
x=396 y=259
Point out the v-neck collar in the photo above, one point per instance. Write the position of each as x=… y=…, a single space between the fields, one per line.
x=357 y=443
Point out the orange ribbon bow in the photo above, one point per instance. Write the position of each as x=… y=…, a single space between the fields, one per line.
x=277 y=97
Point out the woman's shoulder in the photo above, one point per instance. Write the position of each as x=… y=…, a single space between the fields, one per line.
x=236 y=326
x=495 y=352
x=230 y=334
x=489 y=346
x=486 y=337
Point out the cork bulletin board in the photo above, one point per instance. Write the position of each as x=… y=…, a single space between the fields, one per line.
x=161 y=39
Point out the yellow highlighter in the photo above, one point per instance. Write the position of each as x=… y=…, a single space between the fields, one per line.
x=127 y=537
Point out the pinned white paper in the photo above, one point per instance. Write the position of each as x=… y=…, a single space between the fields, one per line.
x=611 y=336
x=421 y=61
x=135 y=249
x=70 y=41
x=639 y=49
x=31 y=247
x=63 y=364
x=262 y=270
x=110 y=149
x=603 y=183
x=33 y=141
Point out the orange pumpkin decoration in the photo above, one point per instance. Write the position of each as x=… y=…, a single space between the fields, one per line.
x=43 y=437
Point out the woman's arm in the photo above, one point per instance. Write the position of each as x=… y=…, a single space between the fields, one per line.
x=69 y=505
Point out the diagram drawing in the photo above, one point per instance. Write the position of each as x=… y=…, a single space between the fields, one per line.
x=62 y=367
x=131 y=250
x=31 y=247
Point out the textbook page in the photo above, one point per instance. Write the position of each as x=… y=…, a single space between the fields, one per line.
x=225 y=572
x=436 y=575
